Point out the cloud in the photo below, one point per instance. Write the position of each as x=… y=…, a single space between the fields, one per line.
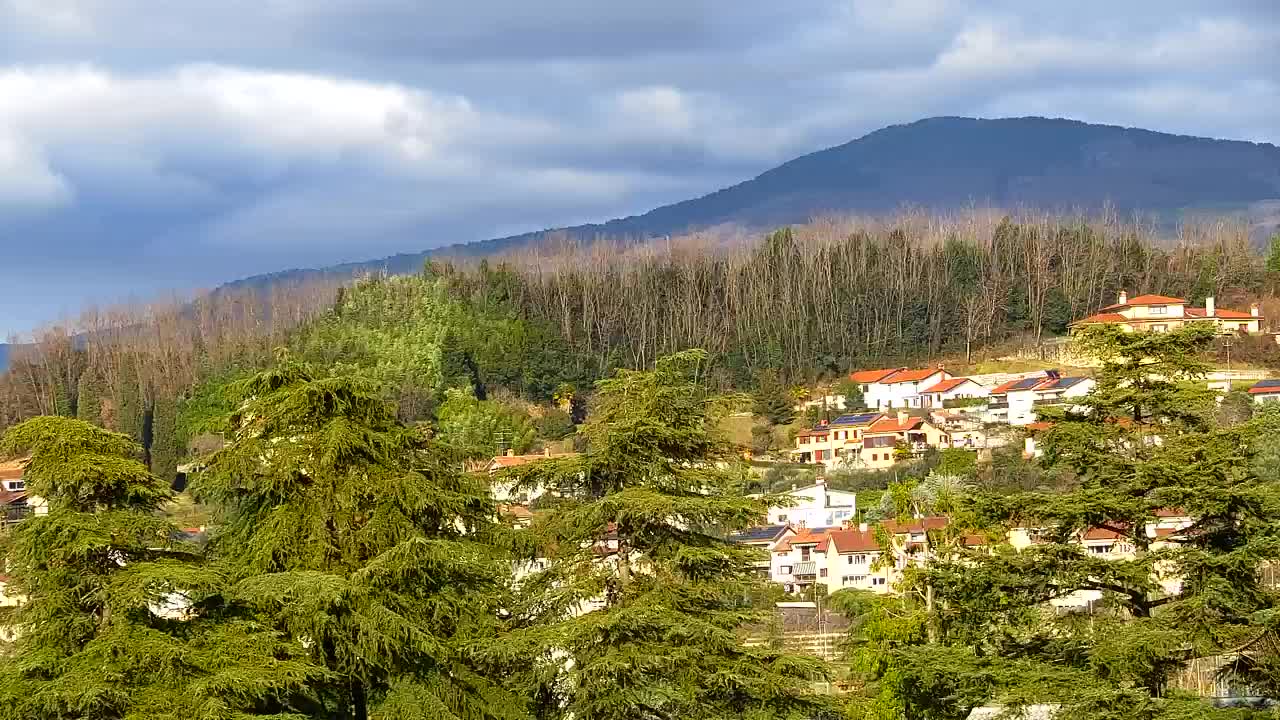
x=145 y=145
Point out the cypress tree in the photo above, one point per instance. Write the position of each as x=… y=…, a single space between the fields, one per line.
x=165 y=443
x=640 y=528
x=116 y=619
x=355 y=535
x=89 y=396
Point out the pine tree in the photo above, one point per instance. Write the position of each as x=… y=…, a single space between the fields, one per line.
x=640 y=525
x=116 y=619
x=1143 y=442
x=353 y=535
x=772 y=399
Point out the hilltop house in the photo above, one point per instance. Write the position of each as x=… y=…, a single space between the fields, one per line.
x=504 y=492
x=794 y=560
x=1265 y=391
x=897 y=387
x=1161 y=313
x=882 y=438
x=828 y=443
x=956 y=388
x=815 y=506
x=1015 y=402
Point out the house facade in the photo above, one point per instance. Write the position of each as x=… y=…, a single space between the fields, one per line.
x=505 y=492
x=1015 y=402
x=834 y=442
x=1265 y=391
x=881 y=440
x=955 y=388
x=1162 y=313
x=815 y=506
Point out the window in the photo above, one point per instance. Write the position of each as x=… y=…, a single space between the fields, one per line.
x=866 y=388
x=782 y=518
x=804 y=554
x=1159 y=310
x=874 y=457
x=784 y=570
x=15 y=485
x=853 y=579
x=860 y=559
x=1160 y=328
x=877 y=581
x=822 y=572
x=1100 y=549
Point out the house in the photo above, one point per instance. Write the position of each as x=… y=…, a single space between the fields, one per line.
x=853 y=557
x=874 y=392
x=882 y=438
x=504 y=492
x=1161 y=313
x=815 y=506
x=956 y=388
x=1015 y=402
x=828 y=443
x=16 y=503
x=797 y=561
x=763 y=538
x=965 y=428
x=1265 y=391
x=902 y=388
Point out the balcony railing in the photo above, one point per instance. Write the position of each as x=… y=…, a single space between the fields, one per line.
x=805 y=568
x=14 y=514
x=998 y=405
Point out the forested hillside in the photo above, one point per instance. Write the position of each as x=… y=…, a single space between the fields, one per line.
x=803 y=303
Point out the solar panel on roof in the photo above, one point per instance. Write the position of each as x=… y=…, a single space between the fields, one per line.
x=1268 y=383
x=853 y=419
x=1067 y=382
x=1027 y=383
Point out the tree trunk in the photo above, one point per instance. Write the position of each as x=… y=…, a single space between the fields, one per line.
x=359 y=703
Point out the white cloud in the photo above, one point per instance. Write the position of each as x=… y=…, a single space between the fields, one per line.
x=26 y=180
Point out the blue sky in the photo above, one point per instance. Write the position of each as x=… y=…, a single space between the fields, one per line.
x=148 y=147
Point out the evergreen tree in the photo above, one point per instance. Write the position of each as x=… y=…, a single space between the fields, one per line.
x=114 y=621
x=1142 y=443
x=772 y=399
x=165 y=443
x=639 y=528
x=89 y=394
x=356 y=537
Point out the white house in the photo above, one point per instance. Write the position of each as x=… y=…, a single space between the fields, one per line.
x=899 y=388
x=955 y=388
x=1015 y=402
x=1265 y=391
x=795 y=559
x=816 y=507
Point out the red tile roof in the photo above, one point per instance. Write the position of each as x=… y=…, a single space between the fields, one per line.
x=1101 y=318
x=1102 y=534
x=805 y=537
x=508 y=461
x=891 y=425
x=912 y=375
x=854 y=540
x=948 y=385
x=1219 y=313
x=1148 y=300
x=872 y=376
x=1260 y=389
x=13 y=469
x=1038 y=426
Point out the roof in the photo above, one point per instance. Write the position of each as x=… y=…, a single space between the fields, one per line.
x=1104 y=317
x=1030 y=383
x=1148 y=300
x=816 y=536
x=1062 y=383
x=759 y=534
x=508 y=461
x=912 y=375
x=1038 y=426
x=948 y=385
x=1101 y=534
x=9 y=497
x=1265 y=387
x=891 y=425
x=858 y=419
x=872 y=376
x=1221 y=313
x=854 y=540
x=518 y=512
x=1004 y=387
x=13 y=469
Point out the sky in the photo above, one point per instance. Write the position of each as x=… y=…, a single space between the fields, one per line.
x=150 y=147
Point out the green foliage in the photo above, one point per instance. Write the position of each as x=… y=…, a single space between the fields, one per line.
x=852 y=393
x=483 y=428
x=772 y=400
x=104 y=581
x=166 y=445
x=90 y=392
x=128 y=413
x=1273 y=254
x=641 y=526
x=957 y=461
x=554 y=424
x=1144 y=443
x=347 y=531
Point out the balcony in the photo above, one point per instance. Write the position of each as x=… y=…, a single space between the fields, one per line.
x=805 y=569
x=998 y=405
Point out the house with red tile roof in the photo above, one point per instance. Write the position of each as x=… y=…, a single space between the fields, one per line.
x=956 y=388
x=1265 y=391
x=1162 y=313
x=882 y=438
x=798 y=560
x=1015 y=402
x=901 y=388
x=16 y=502
x=504 y=492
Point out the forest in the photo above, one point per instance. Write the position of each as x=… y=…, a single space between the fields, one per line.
x=517 y=341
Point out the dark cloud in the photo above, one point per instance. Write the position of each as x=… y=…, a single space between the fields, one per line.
x=146 y=146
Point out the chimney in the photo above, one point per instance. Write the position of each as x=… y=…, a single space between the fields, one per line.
x=511 y=452
x=1209 y=306
x=903 y=415
x=1124 y=298
x=1253 y=310
x=862 y=527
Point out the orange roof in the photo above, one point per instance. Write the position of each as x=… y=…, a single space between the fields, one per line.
x=912 y=375
x=1038 y=425
x=948 y=385
x=805 y=537
x=13 y=470
x=1102 y=534
x=508 y=461
x=854 y=540
x=1219 y=313
x=516 y=511
x=1262 y=387
x=891 y=425
x=872 y=376
x=1171 y=512
x=1101 y=318
x=1148 y=300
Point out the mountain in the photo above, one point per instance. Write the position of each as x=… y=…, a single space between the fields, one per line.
x=947 y=163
